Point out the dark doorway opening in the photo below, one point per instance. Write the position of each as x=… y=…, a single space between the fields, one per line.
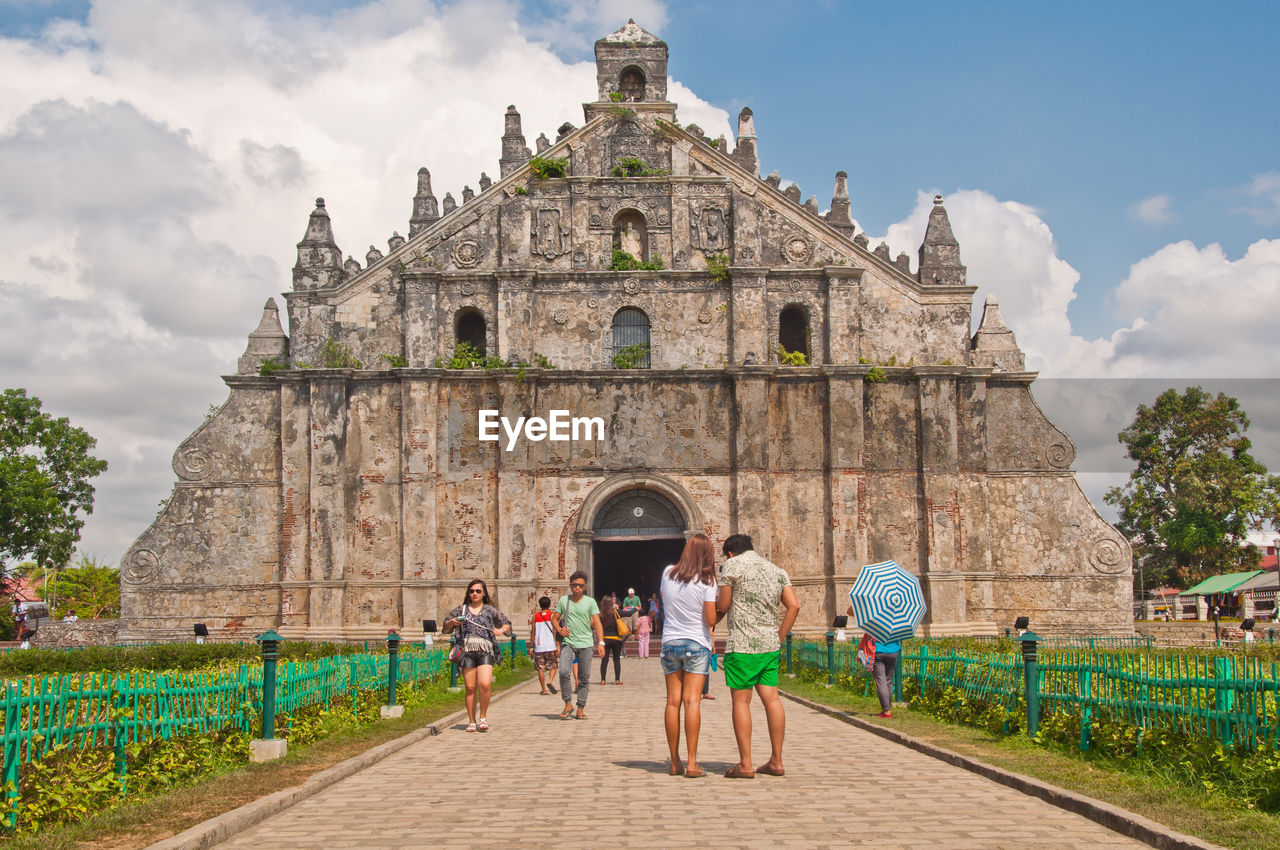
x=620 y=564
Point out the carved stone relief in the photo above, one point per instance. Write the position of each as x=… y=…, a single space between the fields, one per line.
x=550 y=237
x=707 y=228
x=797 y=249
x=466 y=253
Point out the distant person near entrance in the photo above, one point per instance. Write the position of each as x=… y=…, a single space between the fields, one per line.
x=578 y=623
x=631 y=608
x=750 y=590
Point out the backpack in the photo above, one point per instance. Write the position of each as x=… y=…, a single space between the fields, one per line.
x=867 y=652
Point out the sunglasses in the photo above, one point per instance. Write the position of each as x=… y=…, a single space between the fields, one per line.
x=578 y=584
x=476 y=590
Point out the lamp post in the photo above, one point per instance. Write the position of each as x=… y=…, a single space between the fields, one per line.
x=268 y=747
x=1031 y=682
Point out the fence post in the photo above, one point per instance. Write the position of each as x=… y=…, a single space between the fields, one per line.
x=831 y=658
x=789 y=673
x=897 y=680
x=268 y=747
x=512 y=660
x=1223 y=700
x=118 y=736
x=1031 y=685
x=1086 y=706
x=12 y=750
x=393 y=672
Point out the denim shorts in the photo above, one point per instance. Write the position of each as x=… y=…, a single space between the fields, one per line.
x=687 y=655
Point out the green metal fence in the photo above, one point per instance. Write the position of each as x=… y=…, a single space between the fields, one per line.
x=101 y=709
x=1230 y=699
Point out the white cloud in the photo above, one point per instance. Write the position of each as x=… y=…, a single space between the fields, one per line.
x=1265 y=188
x=1186 y=312
x=1153 y=210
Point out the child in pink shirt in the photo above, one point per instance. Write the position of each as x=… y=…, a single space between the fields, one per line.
x=643 y=627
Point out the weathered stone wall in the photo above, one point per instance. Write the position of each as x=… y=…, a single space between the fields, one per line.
x=63 y=635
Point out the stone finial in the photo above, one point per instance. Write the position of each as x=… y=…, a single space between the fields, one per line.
x=372 y=256
x=319 y=260
x=514 y=152
x=542 y=143
x=903 y=262
x=722 y=144
x=940 y=252
x=449 y=203
x=395 y=242
x=467 y=194
x=267 y=342
x=861 y=241
x=697 y=132
x=485 y=182
x=793 y=193
x=745 y=153
x=994 y=344
x=839 y=216
x=563 y=130
x=774 y=179
x=812 y=204
x=882 y=251
x=351 y=266
x=426 y=211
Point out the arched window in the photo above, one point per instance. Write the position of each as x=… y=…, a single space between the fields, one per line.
x=793 y=329
x=631 y=234
x=472 y=329
x=631 y=83
x=630 y=339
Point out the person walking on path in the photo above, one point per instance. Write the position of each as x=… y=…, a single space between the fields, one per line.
x=577 y=620
x=882 y=671
x=750 y=590
x=612 y=640
x=644 y=630
x=655 y=613
x=481 y=624
x=689 y=599
x=542 y=645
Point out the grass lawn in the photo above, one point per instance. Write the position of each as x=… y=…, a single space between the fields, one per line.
x=144 y=821
x=1207 y=816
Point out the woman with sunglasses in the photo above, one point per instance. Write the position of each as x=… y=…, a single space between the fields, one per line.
x=481 y=625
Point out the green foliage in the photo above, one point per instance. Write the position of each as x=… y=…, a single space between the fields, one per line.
x=467 y=356
x=718 y=266
x=622 y=113
x=634 y=356
x=542 y=362
x=792 y=358
x=1195 y=491
x=876 y=376
x=45 y=470
x=521 y=190
x=396 y=361
x=624 y=262
x=89 y=590
x=617 y=96
x=337 y=355
x=270 y=366
x=630 y=166
x=547 y=167
x=166 y=656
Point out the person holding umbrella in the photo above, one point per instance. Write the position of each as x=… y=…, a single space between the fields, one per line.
x=887 y=602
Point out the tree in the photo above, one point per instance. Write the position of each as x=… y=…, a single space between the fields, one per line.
x=1196 y=492
x=45 y=469
x=89 y=590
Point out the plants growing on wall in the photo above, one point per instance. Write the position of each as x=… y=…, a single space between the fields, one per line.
x=625 y=262
x=547 y=167
x=631 y=166
x=718 y=266
x=337 y=355
x=792 y=358
x=632 y=357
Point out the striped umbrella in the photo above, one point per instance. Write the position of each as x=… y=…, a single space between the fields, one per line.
x=887 y=602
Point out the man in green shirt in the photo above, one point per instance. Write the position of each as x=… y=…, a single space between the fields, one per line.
x=631 y=605
x=577 y=617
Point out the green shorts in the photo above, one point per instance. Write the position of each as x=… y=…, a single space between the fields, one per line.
x=745 y=670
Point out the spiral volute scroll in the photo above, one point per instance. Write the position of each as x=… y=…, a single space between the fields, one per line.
x=1059 y=454
x=193 y=464
x=140 y=567
x=1107 y=555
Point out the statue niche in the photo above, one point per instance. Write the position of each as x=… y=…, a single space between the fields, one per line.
x=631 y=234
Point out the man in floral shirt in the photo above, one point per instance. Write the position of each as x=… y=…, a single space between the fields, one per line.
x=750 y=590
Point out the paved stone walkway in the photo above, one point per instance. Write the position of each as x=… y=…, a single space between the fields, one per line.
x=537 y=781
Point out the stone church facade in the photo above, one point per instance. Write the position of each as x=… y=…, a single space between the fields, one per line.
x=788 y=381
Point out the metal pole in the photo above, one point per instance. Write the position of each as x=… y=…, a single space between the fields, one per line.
x=831 y=658
x=1031 y=684
x=393 y=665
x=270 y=652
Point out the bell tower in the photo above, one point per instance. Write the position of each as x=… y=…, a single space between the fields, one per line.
x=631 y=65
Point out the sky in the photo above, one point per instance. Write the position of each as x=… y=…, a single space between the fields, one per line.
x=1110 y=170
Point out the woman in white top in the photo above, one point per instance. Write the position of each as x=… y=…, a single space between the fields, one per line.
x=689 y=603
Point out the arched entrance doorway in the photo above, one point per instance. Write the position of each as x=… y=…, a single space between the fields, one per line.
x=629 y=529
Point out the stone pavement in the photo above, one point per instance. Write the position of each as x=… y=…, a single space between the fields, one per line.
x=536 y=781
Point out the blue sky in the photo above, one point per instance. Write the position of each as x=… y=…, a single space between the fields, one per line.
x=1111 y=171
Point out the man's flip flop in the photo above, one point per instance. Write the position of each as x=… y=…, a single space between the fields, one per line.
x=567 y=713
x=581 y=715
x=694 y=774
x=769 y=771
x=737 y=772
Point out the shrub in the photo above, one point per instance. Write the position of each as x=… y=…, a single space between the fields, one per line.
x=624 y=262
x=632 y=357
x=548 y=167
x=337 y=355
